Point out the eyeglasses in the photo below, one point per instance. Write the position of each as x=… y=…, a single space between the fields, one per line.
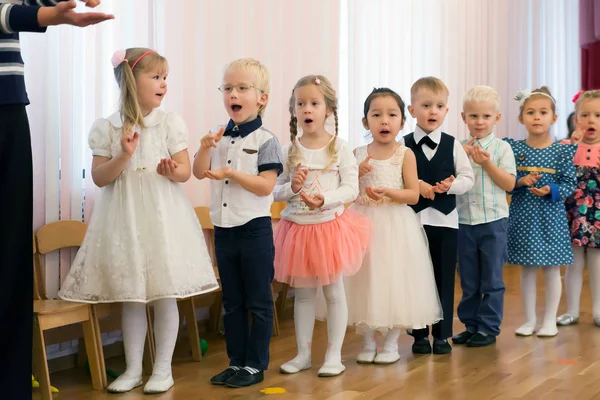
x=240 y=88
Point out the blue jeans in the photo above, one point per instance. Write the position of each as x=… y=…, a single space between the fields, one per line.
x=482 y=252
x=245 y=256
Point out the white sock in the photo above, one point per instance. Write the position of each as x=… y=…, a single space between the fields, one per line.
x=370 y=343
x=166 y=326
x=390 y=345
x=594 y=278
x=553 y=292
x=528 y=294
x=133 y=327
x=337 y=320
x=304 y=323
x=574 y=280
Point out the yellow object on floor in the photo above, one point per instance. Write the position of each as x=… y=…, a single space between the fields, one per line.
x=36 y=384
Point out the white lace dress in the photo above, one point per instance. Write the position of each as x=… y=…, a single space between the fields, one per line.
x=144 y=241
x=395 y=286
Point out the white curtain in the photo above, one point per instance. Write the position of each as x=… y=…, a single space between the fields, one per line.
x=71 y=84
x=508 y=44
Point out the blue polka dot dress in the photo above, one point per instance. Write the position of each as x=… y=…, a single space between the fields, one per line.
x=538 y=233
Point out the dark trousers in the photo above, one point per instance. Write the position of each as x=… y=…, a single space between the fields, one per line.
x=16 y=252
x=482 y=252
x=245 y=256
x=442 y=247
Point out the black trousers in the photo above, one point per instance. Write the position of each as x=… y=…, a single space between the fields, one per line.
x=16 y=252
x=443 y=249
x=245 y=256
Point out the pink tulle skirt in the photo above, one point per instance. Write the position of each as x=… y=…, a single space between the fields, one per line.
x=319 y=254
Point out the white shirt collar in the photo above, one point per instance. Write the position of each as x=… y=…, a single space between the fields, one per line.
x=154 y=118
x=436 y=135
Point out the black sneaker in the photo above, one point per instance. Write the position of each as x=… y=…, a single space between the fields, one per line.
x=221 y=378
x=463 y=337
x=243 y=378
x=421 y=346
x=479 y=340
x=441 y=347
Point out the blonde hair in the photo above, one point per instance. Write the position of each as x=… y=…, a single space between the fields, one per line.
x=586 y=96
x=294 y=156
x=540 y=93
x=259 y=72
x=129 y=107
x=482 y=94
x=429 y=82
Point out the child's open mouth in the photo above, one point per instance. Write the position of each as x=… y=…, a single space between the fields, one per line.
x=236 y=107
x=384 y=132
x=308 y=121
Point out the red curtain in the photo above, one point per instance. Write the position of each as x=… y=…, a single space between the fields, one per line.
x=589 y=39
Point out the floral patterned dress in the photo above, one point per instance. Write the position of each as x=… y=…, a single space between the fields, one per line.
x=583 y=207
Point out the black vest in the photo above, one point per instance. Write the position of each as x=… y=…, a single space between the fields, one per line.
x=440 y=167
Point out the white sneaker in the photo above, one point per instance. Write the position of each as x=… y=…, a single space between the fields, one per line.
x=158 y=384
x=387 y=357
x=526 y=329
x=331 y=370
x=566 y=320
x=125 y=383
x=296 y=365
x=548 y=331
x=366 y=357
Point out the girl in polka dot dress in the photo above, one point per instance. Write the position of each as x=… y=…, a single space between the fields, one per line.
x=538 y=234
x=583 y=208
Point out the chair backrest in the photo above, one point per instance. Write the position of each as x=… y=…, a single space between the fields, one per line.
x=60 y=235
x=38 y=277
x=51 y=237
x=203 y=214
x=276 y=209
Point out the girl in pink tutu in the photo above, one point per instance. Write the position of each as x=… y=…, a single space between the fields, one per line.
x=318 y=241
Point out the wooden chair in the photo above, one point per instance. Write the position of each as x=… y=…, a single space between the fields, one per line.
x=50 y=314
x=188 y=306
x=278 y=287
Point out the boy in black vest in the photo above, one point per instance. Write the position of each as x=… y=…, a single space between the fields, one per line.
x=444 y=171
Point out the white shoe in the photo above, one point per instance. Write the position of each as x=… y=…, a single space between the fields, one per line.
x=566 y=320
x=296 y=365
x=387 y=357
x=548 y=331
x=526 y=329
x=366 y=357
x=331 y=370
x=158 y=384
x=125 y=383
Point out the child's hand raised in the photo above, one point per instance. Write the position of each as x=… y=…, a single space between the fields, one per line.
x=479 y=156
x=426 y=190
x=364 y=167
x=219 y=174
x=444 y=186
x=312 y=202
x=166 y=167
x=129 y=143
x=529 y=180
x=375 y=193
x=212 y=139
x=299 y=178
x=577 y=136
x=468 y=147
x=543 y=191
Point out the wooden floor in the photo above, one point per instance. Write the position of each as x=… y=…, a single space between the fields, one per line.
x=564 y=367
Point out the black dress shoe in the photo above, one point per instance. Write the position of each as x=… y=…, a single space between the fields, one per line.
x=479 y=340
x=421 y=346
x=244 y=379
x=221 y=378
x=463 y=337
x=441 y=348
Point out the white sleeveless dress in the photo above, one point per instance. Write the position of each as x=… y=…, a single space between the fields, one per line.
x=395 y=286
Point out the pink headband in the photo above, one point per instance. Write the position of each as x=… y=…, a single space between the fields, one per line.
x=119 y=57
x=576 y=97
